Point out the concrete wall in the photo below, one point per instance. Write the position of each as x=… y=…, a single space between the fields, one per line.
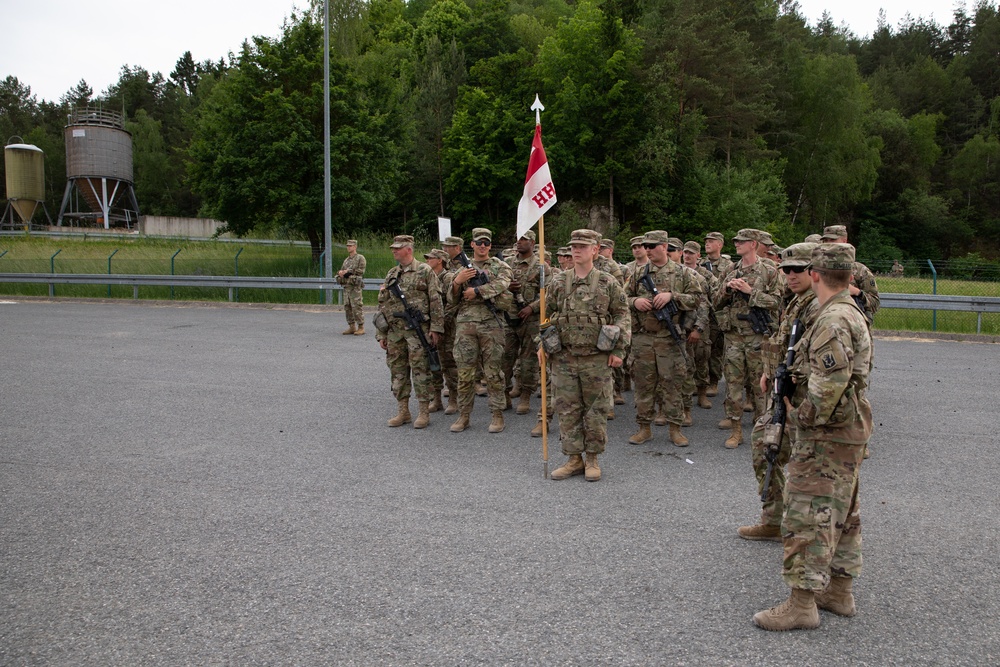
x=163 y=225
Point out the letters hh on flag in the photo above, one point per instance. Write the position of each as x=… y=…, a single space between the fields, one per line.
x=539 y=193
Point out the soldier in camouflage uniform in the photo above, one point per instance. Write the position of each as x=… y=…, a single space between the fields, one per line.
x=749 y=283
x=565 y=257
x=718 y=264
x=607 y=252
x=833 y=421
x=639 y=258
x=675 y=251
x=802 y=306
x=438 y=260
x=579 y=303
x=863 y=288
x=404 y=353
x=659 y=366
x=479 y=330
x=609 y=265
x=352 y=277
x=520 y=339
x=700 y=338
x=452 y=245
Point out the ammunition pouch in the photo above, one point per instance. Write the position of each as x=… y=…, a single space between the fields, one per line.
x=608 y=337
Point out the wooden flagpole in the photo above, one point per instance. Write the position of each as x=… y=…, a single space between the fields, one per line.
x=542 y=322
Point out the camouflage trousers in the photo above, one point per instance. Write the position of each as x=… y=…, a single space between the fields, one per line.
x=717 y=356
x=774 y=506
x=582 y=396
x=449 y=372
x=354 y=305
x=404 y=355
x=743 y=368
x=659 y=370
x=822 y=522
x=697 y=368
x=519 y=346
x=474 y=342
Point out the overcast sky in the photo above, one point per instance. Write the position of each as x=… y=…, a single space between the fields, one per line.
x=52 y=44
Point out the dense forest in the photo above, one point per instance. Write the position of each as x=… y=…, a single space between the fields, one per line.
x=686 y=115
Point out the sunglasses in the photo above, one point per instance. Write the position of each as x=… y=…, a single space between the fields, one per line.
x=793 y=269
x=651 y=246
x=480 y=243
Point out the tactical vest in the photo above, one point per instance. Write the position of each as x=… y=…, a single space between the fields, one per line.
x=583 y=310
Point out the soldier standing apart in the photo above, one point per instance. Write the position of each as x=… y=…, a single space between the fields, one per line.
x=520 y=342
x=589 y=315
x=749 y=283
x=700 y=338
x=717 y=264
x=659 y=366
x=404 y=352
x=352 y=277
x=479 y=331
x=802 y=307
x=833 y=421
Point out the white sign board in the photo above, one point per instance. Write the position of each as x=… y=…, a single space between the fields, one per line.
x=444 y=228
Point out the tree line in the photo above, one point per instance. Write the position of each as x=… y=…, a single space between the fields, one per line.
x=686 y=115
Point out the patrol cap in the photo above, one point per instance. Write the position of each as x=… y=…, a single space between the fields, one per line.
x=746 y=235
x=530 y=235
x=608 y=243
x=716 y=236
x=833 y=256
x=402 y=241
x=834 y=232
x=437 y=253
x=584 y=237
x=692 y=246
x=351 y=242
x=656 y=236
x=765 y=238
x=548 y=256
x=674 y=243
x=482 y=234
x=775 y=250
x=453 y=240
x=814 y=238
x=799 y=254
x=636 y=240
x=564 y=251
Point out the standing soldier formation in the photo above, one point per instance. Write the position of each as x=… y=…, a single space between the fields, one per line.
x=352 y=277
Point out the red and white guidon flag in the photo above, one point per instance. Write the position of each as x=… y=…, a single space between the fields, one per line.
x=539 y=193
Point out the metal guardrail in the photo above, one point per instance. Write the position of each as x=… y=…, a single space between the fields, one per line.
x=974 y=304
x=137 y=280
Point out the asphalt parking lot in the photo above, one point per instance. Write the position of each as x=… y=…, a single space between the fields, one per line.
x=189 y=484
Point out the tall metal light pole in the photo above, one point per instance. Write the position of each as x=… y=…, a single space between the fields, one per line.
x=327 y=215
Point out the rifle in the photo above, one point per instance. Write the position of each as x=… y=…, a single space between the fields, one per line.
x=783 y=386
x=414 y=318
x=479 y=280
x=666 y=314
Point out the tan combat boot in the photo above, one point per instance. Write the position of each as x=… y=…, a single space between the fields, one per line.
x=619 y=399
x=713 y=390
x=645 y=434
x=452 y=406
x=677 y=437
x=537 y=431
x=725 y=424
x=496 y=426
x=360 y=331
x=461 y=423
x=436 y=404
x=735 y=436
x=423 y=415
x=349 y=331
x=402 y=416
x=748 y=406
x=838 y=598
x=515 y=391
x=703 y=401
x=760 y=533
x=592 y=472
x=688 y=421
x=574 y=466
x=798 y=611
x=661 y=418
x=524 y=403
x=481 y=389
